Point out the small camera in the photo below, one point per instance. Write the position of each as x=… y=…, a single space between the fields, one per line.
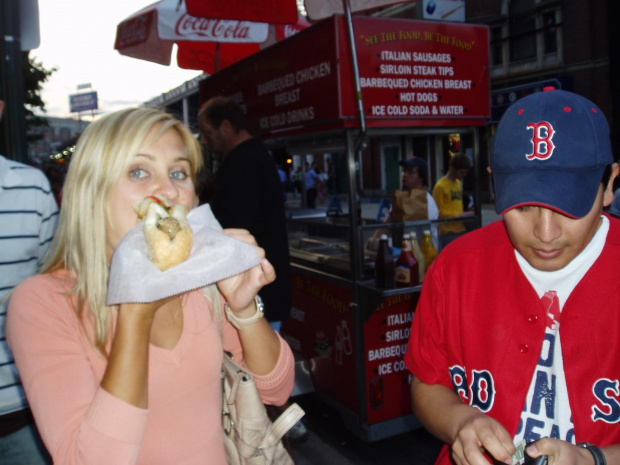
x=527 y=460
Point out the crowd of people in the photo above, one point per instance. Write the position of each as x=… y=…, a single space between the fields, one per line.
x=81 y=380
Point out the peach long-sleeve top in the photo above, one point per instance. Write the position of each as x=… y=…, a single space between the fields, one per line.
x=83 y=424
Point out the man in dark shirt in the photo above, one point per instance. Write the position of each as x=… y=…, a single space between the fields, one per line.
x=248 y=194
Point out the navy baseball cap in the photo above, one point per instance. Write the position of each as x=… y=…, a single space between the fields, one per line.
x=414 y=162
x=550 y=149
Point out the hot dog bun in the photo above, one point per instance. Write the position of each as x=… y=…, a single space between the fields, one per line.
x=169 y=236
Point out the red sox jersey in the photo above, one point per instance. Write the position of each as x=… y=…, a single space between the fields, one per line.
x=479 y=329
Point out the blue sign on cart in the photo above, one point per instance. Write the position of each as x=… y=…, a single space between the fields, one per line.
x=83 y=102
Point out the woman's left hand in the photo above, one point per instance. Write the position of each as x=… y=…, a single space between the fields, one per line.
x=241 y=289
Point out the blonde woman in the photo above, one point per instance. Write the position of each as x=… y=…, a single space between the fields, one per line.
x=136 y=383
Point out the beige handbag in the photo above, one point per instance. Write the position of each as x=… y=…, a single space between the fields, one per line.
x=249 y=435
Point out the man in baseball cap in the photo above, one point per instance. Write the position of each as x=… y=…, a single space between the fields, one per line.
x=413 y=203
x=416 y=162
x=493 y=374
x=414 y=177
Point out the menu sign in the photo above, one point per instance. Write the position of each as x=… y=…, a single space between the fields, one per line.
x=285 y=88
x=386 y=336
x=423 y=70
x=412 y=73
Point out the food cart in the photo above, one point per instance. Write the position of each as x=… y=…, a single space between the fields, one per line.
x=418 y=79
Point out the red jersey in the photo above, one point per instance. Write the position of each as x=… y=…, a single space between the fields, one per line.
x=479 y=329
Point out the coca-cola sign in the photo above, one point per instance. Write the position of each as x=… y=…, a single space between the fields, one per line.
x=177 y=24
x=213 y=29
x=151 y=33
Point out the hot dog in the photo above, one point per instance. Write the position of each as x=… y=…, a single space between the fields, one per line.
x=169 y=236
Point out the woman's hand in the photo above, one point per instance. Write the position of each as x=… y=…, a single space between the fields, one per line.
x=259 y=342
x=240 y=290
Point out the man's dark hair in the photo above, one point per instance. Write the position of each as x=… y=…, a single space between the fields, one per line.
x=460 y=161
x=218 y=109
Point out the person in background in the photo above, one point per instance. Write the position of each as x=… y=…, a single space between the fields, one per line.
x=448 y=194
x=312 y=178
x=515 y=337
x=296 y=180
x=321 y=185
x=414 y=176
x=135 y=383
x=329 y=174
x=283 y=180
x=28 y=218
x=248 y=195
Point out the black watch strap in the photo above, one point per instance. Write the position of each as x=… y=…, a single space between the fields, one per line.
x=597 y=453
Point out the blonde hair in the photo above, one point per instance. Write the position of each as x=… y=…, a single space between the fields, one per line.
x=103 y=152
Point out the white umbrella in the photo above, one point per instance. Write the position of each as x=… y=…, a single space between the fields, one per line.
x=151 y=33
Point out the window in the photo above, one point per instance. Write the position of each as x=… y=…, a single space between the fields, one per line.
x=550 y=33
x=496 y=45
x=527 y=36
x=522 y=30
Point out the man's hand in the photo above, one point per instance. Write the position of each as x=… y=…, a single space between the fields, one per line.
x=560 y=452
x=477 y=433
x=468 y=431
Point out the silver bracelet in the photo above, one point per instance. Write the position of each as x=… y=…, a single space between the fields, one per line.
x=241 y=322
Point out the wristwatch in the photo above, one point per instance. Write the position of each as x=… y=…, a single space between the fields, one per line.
x=241 y=322
x=597 y=453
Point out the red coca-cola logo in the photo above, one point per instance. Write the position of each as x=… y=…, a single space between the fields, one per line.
x=134 y=31
x=215 y=28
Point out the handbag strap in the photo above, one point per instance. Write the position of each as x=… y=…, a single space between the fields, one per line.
x=238 y=374
x=280 y=427
x=288 y=418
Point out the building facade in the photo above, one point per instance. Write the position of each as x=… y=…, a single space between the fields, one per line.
x=50 y=139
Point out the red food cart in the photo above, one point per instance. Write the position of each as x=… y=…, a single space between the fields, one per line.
x=418 y=81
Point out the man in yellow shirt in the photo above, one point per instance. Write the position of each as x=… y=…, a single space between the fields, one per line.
x=448 y=194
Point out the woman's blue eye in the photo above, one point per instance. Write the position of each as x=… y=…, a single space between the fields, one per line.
x=137 y=173
x=180 y=175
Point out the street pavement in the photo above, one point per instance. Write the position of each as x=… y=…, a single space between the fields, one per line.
x=330 y=443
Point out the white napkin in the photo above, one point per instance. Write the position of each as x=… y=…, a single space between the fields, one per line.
x=214 y=256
